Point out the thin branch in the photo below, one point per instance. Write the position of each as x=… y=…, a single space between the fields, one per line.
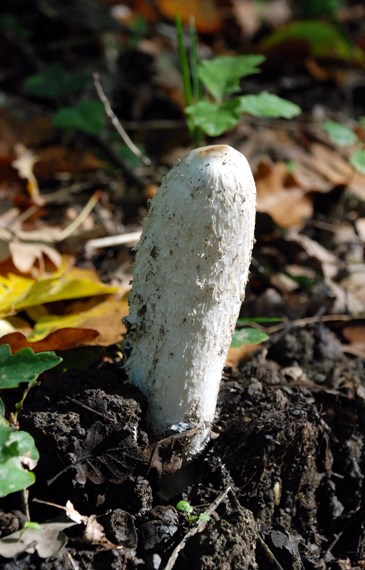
x=80 y=218
x=110 y=241
x=116 y=123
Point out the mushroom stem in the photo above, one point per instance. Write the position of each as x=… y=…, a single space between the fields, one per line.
x=190 y=274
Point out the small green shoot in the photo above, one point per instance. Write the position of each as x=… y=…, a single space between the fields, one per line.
x=211 y=105
x=186 y=507
x=344 y=136
x=18 y=453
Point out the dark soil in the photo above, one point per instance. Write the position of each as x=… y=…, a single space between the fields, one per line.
x=283 y=472
x=282 y=478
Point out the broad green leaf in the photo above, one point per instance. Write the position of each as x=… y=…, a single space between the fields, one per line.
x=321 y=39
x=24 y=366
x=268 y=105
x=247 y=336
x=184 y=506
x=54 y=82
x=86 y=116
x=214 y=119
x=340 y=134
x=361 y=122
x=221 y=75
x=17 y=451
x=357 y=160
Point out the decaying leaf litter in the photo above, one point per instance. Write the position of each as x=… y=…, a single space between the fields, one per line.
x=283 y=474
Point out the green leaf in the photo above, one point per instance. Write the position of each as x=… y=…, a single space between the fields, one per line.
x=214 y=119
x=24 y=366
x=204 y=517
x=222 y=75
x=357 y=160
x=32 y=524
x=268 y=105
x=184 y=506
x=54 y=82
x=246 y=320
x=361 y=122
x=320 y=39
x=17 y=451
x=247 y=336
x=340 y=134
x=86 y=116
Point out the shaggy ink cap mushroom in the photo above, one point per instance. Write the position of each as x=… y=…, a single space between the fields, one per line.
x=189 y=279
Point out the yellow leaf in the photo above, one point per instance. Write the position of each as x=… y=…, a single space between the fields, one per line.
x=105 y=318
x=60 y=288
x=13 y=288
x=18 y=293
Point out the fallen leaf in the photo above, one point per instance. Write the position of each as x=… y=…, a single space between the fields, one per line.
x=47 y=540
x=25 y=255
x=237 y=355
x=205 y=13
x=19 y=293
x=280 y=196
x=59 y=340
x=24 y=164
x=356 y=337
x=105 y=318
x=56 y=159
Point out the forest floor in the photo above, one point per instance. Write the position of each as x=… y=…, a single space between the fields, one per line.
x=280 y=485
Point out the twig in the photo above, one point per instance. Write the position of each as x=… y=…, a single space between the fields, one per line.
x=25 y=502
x=116 y=123
x=110 y=241
x=275 y=564
x=198 y=528
x=80 y=218
x=311 y=321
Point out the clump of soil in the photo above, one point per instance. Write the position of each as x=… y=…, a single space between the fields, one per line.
x=282 y=475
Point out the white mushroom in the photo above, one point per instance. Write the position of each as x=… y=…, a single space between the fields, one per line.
x=189 y=280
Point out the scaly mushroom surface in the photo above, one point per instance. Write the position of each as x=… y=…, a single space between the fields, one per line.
x=189 y=279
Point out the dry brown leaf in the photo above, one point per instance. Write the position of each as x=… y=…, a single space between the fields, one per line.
x=25 y=255
x=251 y=15
x=328 y=260
x=237 y=355
x=356 y=337
x=63 y=339
x=360 y=228
x=56 y=159
x=205 y=13
x=279 y=195
x=355 y=284
x=24 y=165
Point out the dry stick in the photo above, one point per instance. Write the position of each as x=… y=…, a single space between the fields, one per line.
x=116 y=123
x=311 y=321
x=275 y=564
x=198 y=528
x=80 y=218
x=110 y=241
